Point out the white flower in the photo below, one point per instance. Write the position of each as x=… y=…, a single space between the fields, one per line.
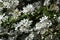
x=46 y=3
x=1 y=39
x=30 y=37
x=44 y=23
x=43 y=31
x=43 y=18
x=41 y=25
x=58 y=19
x=6 y=4
x=54 y=15
x=10 y=38
x=28 y=8
x=16 y=13
x=37 y=4
x=1 y=1
x=1 y=16
x=10 y=3
x=58 y=1
x=4 y=18
x=57 y=8
x=24 y=25
x=16 y=2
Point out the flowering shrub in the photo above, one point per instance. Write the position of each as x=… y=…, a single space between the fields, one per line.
x=29 y=19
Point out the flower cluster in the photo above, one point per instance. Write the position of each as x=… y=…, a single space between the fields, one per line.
x=8 y=3
x=23 y=26
x=36 y=20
